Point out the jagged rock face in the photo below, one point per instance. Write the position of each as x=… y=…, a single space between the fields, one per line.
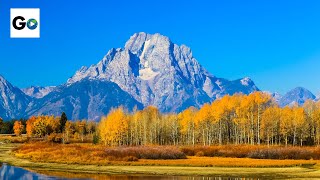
x=149 y=70
x=298 y=95
x=38 y=92
x=86 y=99
x=13 y=101
x=157 y=72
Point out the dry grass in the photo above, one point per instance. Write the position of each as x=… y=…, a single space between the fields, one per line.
x=256 y=152
x=12 y=139
x=88 y=154
x=93 y=154
x=302 y=168
x=226 y=162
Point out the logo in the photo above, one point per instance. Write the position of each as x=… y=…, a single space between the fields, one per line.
x=32 y=24
x=25 y=23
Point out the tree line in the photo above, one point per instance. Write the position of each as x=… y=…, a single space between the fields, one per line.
x=51 y=128
x=238 y=119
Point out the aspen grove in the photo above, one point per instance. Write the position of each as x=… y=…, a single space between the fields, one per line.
x=239 y=119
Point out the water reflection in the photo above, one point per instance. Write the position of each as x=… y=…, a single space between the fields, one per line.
x=14 y=173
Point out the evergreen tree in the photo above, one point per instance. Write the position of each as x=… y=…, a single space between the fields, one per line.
x=63 y=121
x=1 y=122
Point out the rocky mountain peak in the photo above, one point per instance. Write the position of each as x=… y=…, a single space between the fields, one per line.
x=149 y=70
x=297 y=95
x=155 y=71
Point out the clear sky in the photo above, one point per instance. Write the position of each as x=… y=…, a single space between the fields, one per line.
x=276 y=43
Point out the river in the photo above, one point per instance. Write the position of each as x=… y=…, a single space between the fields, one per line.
x=8 y=172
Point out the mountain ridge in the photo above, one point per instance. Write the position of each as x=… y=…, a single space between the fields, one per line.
x=157 y=72
x=150 y=70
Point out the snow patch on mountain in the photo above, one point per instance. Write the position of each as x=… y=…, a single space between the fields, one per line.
x=13 y=101
x=146 y=73
x=245 y=81
x=157 y=72
x=38 y=92
x=149 y=70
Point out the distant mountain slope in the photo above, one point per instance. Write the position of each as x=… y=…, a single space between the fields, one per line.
x=37 y=91
x=149 y=70
x=298 y=95
x=13 y=101
x=86 y=99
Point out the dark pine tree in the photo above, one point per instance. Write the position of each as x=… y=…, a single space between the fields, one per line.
x=1 y=123
x=63 y=121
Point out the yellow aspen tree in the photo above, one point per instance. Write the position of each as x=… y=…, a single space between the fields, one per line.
x=18 y=128
x=187 y=123
x=203 y=120
x=299 y=125
x=286 y=123
x=68 y=130
x=261 y=100
x=310 y=107
x=113 y=127
x=30 y=126
x=269 y=123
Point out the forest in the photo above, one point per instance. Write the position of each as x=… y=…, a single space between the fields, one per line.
x=238 y=119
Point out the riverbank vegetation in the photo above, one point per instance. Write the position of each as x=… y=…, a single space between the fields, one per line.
x=253 y=119
x=192 y=166
x=239 y=126
x=150 y=155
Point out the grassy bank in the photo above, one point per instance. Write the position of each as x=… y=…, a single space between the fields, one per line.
x=297 y=169
x=88 y=154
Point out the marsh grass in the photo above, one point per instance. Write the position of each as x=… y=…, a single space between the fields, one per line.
x=254 y=151
x=93 y=154
x=5 y=139
x=271 y=169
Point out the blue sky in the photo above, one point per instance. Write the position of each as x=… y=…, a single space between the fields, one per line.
x=275 y=43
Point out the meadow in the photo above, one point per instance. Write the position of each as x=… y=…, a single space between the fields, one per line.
x=203 y=156
x=79 y=159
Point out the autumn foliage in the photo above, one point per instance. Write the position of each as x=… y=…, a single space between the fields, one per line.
x=253 y=151
x=49 y=128
x=87 y=153
x=18 y=128
x=239 y=119
x=253 y=119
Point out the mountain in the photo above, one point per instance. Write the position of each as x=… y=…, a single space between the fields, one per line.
x=13 y=101
x=298 y=95
x=85 y=99
x=149 y=70
x=37 y=91
x=157 y=72
x=276 y=96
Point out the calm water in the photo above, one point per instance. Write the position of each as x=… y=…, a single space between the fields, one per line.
x=14 y=173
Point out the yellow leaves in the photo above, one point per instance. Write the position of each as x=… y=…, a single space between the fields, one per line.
x=113 y=127
x=187 y=119
x=260 y=97
x=204 y=114
x=270 y=120
x=30 y=126
x=42 y=125
x=18 y=128
x=238 y=119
